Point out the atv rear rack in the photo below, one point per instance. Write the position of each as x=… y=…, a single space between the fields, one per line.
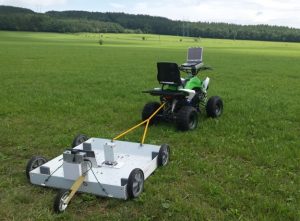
x=170 y=93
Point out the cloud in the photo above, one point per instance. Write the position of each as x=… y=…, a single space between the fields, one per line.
x=33 y=3
x=273 y=12
x=117 y=5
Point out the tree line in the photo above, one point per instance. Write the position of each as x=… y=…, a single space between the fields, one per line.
x=26 y=20
x=13 y=18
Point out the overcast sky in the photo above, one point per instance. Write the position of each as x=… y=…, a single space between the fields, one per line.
x=273 y=12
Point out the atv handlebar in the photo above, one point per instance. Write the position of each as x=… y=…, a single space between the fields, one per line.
x=204 y=68
x=193 y=70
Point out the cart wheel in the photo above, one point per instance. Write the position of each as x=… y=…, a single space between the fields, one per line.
x=163 y=155
x=135 y=183
x=79 y=139
x=59 y=205
x=33 y=163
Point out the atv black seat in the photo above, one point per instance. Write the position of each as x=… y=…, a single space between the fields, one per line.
x=168 y=74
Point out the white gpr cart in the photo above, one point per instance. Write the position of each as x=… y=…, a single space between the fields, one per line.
x=102 y=167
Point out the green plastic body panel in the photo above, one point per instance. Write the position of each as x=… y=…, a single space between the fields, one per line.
x=193 y=83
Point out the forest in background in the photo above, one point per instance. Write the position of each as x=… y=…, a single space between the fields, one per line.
x=21 y=19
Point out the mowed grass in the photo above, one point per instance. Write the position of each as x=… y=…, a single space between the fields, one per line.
x=242 y=166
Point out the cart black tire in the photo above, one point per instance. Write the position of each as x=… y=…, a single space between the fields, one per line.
x=79 y=139
x=187 y=118
x=148 y=110
x=163 y=155
x=214 y=107
x=59 y=206
x=33 y=163
x=135 y=183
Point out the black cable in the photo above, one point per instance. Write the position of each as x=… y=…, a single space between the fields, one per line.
x=91 y=164
x=47 y=179
x=101 y=186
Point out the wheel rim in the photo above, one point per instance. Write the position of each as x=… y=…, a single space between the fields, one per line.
x=62 y=204
x=81 y=140
x=137 y=184
x=192 y=121
x=38 y=162
x=165 y=156
x=218 y=110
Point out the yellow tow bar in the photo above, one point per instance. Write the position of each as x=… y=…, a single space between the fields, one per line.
x=76 y=185
x=138 y=125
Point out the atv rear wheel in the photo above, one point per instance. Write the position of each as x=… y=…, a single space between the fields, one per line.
x=214 y=107
x=187 y=118
x=148 y=110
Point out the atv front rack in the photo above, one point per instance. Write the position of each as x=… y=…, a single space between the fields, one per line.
x=191 y=67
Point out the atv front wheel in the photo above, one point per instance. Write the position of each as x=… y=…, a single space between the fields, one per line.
x=214 y=107
x=148 y=110
x=187 y=118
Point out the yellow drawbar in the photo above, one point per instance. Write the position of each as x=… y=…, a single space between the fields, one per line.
x=136 y=126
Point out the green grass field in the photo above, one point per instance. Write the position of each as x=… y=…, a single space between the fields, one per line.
x=242 y=166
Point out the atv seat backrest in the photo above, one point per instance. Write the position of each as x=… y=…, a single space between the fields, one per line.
x=168 y=74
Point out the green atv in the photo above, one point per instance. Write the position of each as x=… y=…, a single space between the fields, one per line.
x=182 y=97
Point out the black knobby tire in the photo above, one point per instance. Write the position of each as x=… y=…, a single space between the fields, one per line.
x=135 y=183
x=163 y=155
x=187 y=118
x=33 y=163
x=214 y=107
x=148 y=110
x=58 y=205
x=79 y=139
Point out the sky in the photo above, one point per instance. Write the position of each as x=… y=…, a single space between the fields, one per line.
x=272 y=12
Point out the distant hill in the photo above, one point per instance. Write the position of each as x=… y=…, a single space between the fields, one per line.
x=11 y=9
x=13 y=18
x=20 y=19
